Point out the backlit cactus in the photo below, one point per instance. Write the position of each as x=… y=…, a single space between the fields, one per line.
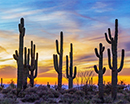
x=70 y=75
x=19 y=57
x=101 y=70
x=34 y=64
x=58 y=64
x=113 y=66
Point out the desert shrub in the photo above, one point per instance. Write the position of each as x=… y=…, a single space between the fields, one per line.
x=40 y=101
x=108 y=99
x=107 y=89
x=63 y=90
x=1 y=88
x=9 y=95
x=11 y=84
x=31 y=90
x=120 y=88
x=89 y=88
x=5 y=91
x=41 y=87
x=79 y=93
x=8 y=101
x=22 y=94
x=55 y=93
x=96 y=100
x=67 y=98
x=81 y=102
x=30 y=97
x=120 y=96
x=127 y=97
x=71 y=91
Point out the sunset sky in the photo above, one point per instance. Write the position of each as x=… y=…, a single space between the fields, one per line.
x=83 y=23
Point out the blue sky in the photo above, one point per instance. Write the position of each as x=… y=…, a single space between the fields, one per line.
x=83 y=23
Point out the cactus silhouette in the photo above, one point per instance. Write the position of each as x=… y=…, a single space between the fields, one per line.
x=2 y=83
x=58 y=67
x=70 y=74
x=101 y=70
x=113 y=67
x=19 y=58
x=33 y=66
x=25 y=69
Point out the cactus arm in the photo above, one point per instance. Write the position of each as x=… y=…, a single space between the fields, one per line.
x=67 y=75
x=55 y=59
x=96 y=52
x=57 y=47
x=15 y=56
x=116 y=29
x=104 y=69
x=36 y=62
x=21 y=27
x=32 y=67
x=71 y=60
x=109 y=59
x=122 y=61
x=109 y=32
x=28 y=59
x=61 y=42
x=96 y=70
x=107 y=38
x=75 y=71
x=103 y=48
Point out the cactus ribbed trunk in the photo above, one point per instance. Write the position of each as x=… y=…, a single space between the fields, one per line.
x=70 y=75
x=113 y=67
x=101 y=70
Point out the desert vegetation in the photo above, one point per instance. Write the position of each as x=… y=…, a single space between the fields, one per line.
x=86 y=93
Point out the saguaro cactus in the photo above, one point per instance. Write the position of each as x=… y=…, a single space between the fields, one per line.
x=58 y=67
x=113 y=67
x=19 y=58
x=70 y=76
x=25 y=70
x=33 y=66
x=101 y=70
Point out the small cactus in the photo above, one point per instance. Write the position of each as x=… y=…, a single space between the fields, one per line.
x=48 y=85
x=2 y=83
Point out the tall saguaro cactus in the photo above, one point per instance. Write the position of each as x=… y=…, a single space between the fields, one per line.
x=113 y=67
x=58 y=67
x=19 y=58
x=34 y=65
x=70 y=75
x=101 y=70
